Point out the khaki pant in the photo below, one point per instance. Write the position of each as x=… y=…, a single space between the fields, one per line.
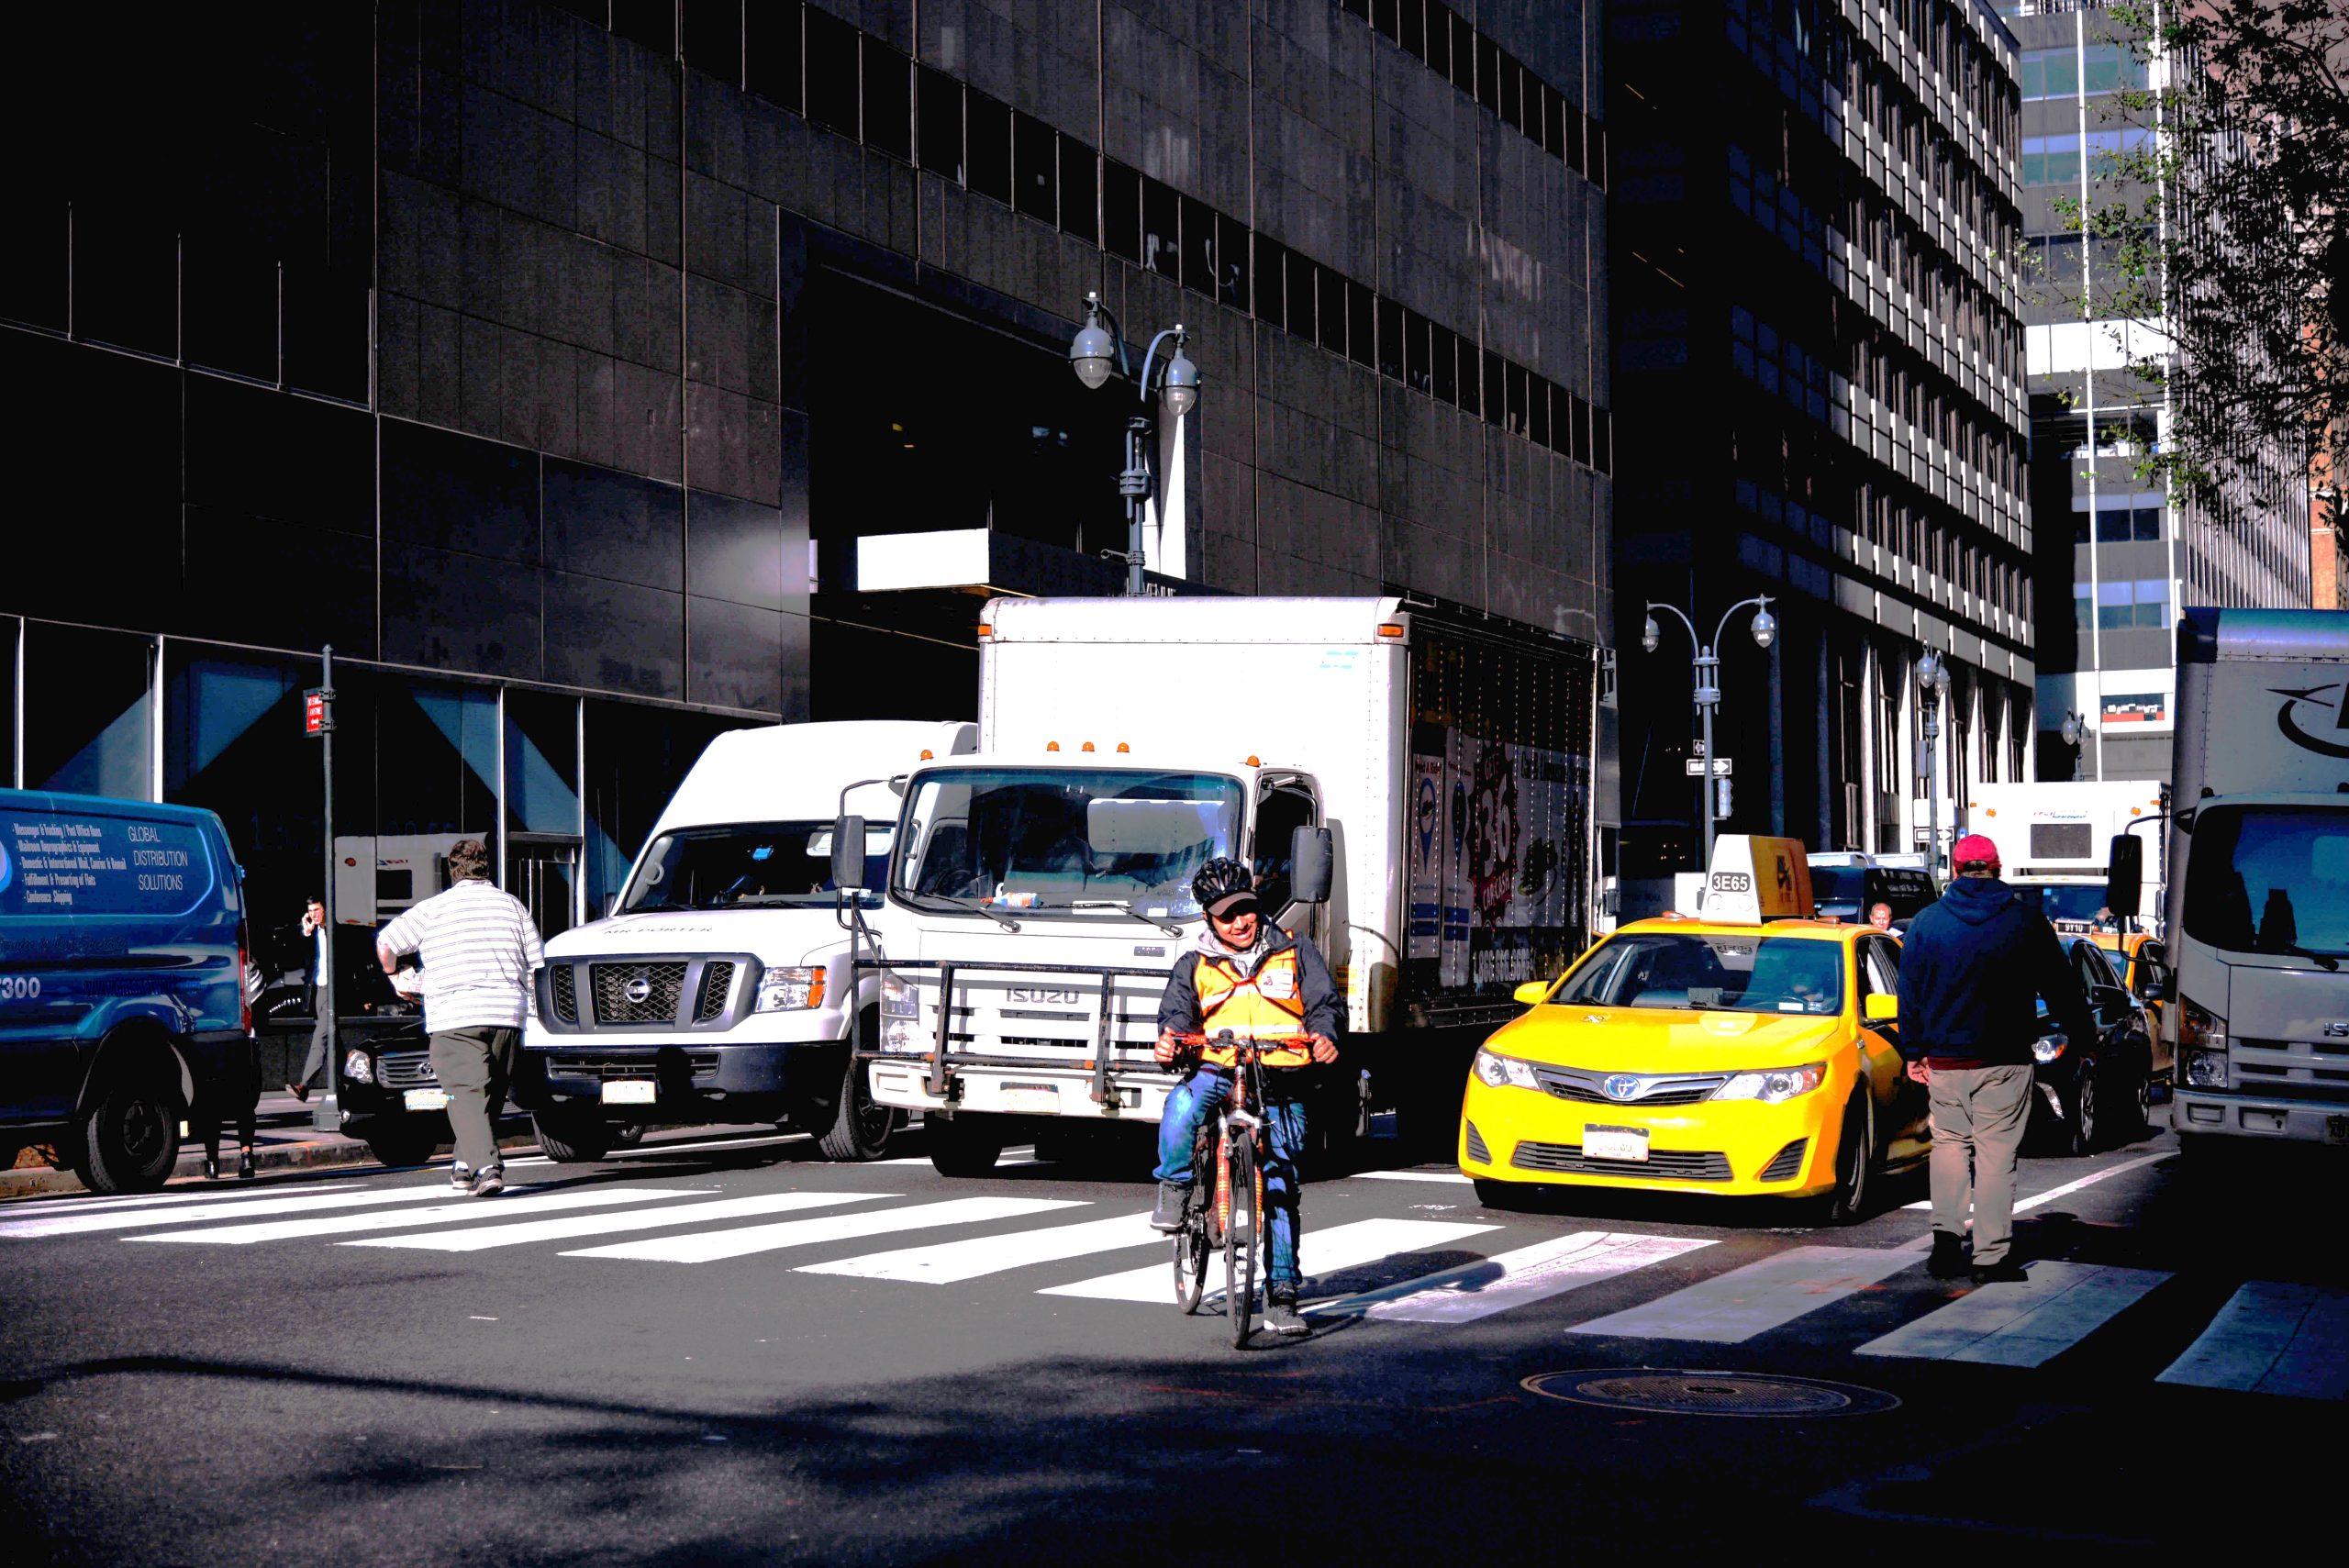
x=1979 y=1114
x=475 y=1066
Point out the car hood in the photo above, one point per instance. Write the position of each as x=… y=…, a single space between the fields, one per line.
x=774 y=937
x=1654 y=1039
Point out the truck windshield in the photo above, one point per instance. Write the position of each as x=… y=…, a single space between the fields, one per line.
x=2270 y=879
x=1053 y=838
x=1730 y=975
x=2077 y=905
x=748 y=864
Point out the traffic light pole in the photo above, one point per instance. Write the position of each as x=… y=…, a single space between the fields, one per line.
x=326 y=1116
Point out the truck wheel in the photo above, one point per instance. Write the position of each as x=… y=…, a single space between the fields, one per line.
x=400 y=1140
x=571 y=1141
x=131 y=1140
x=964 y=1145
x=859 y=1130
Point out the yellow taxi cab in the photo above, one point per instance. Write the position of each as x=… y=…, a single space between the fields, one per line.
x=1737 y=1055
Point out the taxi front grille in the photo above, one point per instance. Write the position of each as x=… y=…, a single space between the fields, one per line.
x=1476 y=1150
x=1661 y=1165
x=1585 y=1088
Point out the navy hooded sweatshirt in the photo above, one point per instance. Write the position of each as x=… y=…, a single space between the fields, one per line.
x=1970 y=967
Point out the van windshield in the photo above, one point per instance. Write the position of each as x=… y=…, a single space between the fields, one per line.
x=750 y=863
x=1063 y=839
x=2270 y=879
x=1711 y=973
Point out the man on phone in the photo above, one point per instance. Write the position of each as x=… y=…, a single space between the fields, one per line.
x=319 y=944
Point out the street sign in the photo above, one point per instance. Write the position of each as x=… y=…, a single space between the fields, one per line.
x=318 y=711
x=1697 y=767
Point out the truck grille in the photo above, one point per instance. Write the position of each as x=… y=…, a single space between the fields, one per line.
x=631 y=1064
x=717 y=980
x=610 y=985
x=1587 y=1087
x=405 y=1069
x=1662 y=1164
x=565 y=989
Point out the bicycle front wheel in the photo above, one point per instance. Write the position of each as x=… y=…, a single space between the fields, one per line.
x=1239 y=1233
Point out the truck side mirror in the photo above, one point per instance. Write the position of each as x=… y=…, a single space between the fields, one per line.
x=848 y=854
x=2124 y=876
x=2150 y=972
x=1313 y=863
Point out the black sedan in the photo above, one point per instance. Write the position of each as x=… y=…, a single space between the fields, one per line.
x=2098 y=1091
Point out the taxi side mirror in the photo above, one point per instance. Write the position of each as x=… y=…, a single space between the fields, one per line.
x=1532 y=994
x=1881 y=1009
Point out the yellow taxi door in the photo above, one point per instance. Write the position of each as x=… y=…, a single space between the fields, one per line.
x=1900 y=1108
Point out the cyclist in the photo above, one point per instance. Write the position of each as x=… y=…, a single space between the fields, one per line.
x=1249 y=976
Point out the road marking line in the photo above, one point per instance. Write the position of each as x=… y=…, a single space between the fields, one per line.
x=210 y=1193
x=1760 y=1296
x=2052 y=1193
x=458 y=1209
x=475 y=1238
x=234 y=1209
x=1516 y=1278
x=950 y=1262
x=2022 y=1323
x=2273 y=1337
x=1452 y=1176
x=644 y=1150
x=1319 y=1252
x=710 y=1246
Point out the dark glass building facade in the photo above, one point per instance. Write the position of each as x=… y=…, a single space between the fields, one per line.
x=550 y=360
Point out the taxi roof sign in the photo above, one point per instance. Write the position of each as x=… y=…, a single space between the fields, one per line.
x=1757 y=878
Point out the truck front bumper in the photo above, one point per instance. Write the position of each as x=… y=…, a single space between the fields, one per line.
x=2255 y=1115
x=1044 y=1089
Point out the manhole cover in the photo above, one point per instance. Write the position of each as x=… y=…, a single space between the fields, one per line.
x=1678 y=1393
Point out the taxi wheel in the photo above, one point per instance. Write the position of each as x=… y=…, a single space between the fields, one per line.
x=1855 y=1166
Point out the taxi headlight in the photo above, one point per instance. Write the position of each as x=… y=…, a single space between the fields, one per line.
x=1774 y=1086
x=788 y=990
x=2049 y=1047
x=358 y=1067
x=1505 y=1071
x=899 y=997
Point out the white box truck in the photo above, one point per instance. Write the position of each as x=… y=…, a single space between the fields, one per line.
x=2054 y=841
x=1038 y=890
x=720 y=991
x=2258 y=913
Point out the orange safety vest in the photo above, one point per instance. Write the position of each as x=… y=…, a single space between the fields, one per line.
x=1269 y=1004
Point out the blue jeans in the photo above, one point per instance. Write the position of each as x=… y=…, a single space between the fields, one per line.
x=1196 y=1099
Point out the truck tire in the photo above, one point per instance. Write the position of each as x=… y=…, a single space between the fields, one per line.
x=964 y=1145
x=398 y=1141
x=859 y=1129
x=131 y=1140
x=569 y=1140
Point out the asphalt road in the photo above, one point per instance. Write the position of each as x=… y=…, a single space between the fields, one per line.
x=739 y=1354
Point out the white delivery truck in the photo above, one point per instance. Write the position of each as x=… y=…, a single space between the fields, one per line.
x=2258 y=914
x=719 y=989
x=2054 y=841
x=1039 y=891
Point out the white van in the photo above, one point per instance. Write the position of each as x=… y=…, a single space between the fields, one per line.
x=719 y=990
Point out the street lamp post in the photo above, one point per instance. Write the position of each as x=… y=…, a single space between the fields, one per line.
x=1933 y=680
x=1091 y=354
x=1706 y=665
x=2074 y=728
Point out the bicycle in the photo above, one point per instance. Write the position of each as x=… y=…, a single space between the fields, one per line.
x=1228 y=1159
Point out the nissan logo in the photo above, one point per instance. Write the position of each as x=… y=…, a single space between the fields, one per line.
x=638 y=990
x=1621 y=1087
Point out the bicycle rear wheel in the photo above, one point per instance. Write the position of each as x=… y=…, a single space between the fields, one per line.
x=1239 y=1234
x=1191 y=1249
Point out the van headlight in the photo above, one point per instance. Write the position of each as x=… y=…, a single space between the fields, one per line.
x=1775 y=1085
x=1505 y=1071
x=358 y=1067
x=788 y=990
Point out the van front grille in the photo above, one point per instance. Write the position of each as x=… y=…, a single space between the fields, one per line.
x=636 y=993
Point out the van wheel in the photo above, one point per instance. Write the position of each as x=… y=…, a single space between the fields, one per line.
x=964 y=1145
x=859 y=1130
x=131 y=1140
x=397 y=1140
x=567 y=1141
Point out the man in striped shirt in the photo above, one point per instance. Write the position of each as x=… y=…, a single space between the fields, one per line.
x=478 y=949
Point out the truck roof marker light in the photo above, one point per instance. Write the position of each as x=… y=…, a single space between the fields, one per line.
x=1086 y=747
x=1123 y=749
x=987 y=629
x=928 y=755
x=1254 y=762
x=1390 y=630
x=1052 y=745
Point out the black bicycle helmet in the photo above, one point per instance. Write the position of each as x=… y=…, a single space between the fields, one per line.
x=1222 y=882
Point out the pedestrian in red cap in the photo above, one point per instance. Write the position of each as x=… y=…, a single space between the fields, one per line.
x=1970 y=967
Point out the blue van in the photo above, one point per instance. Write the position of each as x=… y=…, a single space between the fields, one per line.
x=122 y=962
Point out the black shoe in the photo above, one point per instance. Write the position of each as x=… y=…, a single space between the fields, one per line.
x=299 y=1090
x=1168 y=1214
x=1280 y=1315
x=489 y=1181
x=211 y=1169
x=1948 y=1260
x=245 y=1167
x=2001 y=1274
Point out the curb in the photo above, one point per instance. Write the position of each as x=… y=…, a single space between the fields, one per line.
x=322 y=1155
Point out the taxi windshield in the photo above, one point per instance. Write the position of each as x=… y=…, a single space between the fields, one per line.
x=1711 y=973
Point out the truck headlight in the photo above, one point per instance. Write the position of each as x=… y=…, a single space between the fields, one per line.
x=1505 y=1071
x=2049 y=1047
x=1774 y=1086
x=2201 y=1027
x=788 y=990
x=358 y=1067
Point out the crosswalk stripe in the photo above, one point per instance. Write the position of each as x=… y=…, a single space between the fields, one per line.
x=704 y=1246
x=1516 y=1278
x=2068 y=1188
x=950 y=1262
x=1319 y=1252
x=2021 y=1324
x=2273 y=1337
x=461 y=1209
x=1453 y=1177
x=1760 y=1296
x=208 y=1193
x=232 y=1208
x=479 y=1238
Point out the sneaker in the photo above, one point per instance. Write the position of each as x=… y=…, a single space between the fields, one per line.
x=1281 y=1315
x=1948 y=1260
x=460 y=1176
x=1168 y=1214
x=489 y=1181
x=2004 y=1272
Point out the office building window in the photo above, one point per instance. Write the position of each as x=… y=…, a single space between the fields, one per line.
x=1299 y=289
x=652 y=23
x=1332 y=298
x=1361 y=332
x=1035 y=167
x=2142 y=603
x=713 y=39
x=987 y=143
x=832 y=72
x=940 y=106
x=1162 y=230
x=771 y=54
x=1199 y=246
x=89 y=715
x=1121 y=211
x=888 y=101
x=1231 y=263
x=1271 y=280
x=1080 y=194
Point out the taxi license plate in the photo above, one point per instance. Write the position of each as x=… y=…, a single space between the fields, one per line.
x=1029 y=1097
x=628 y=1091
x=1615 y=1143
x=425 y=1099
